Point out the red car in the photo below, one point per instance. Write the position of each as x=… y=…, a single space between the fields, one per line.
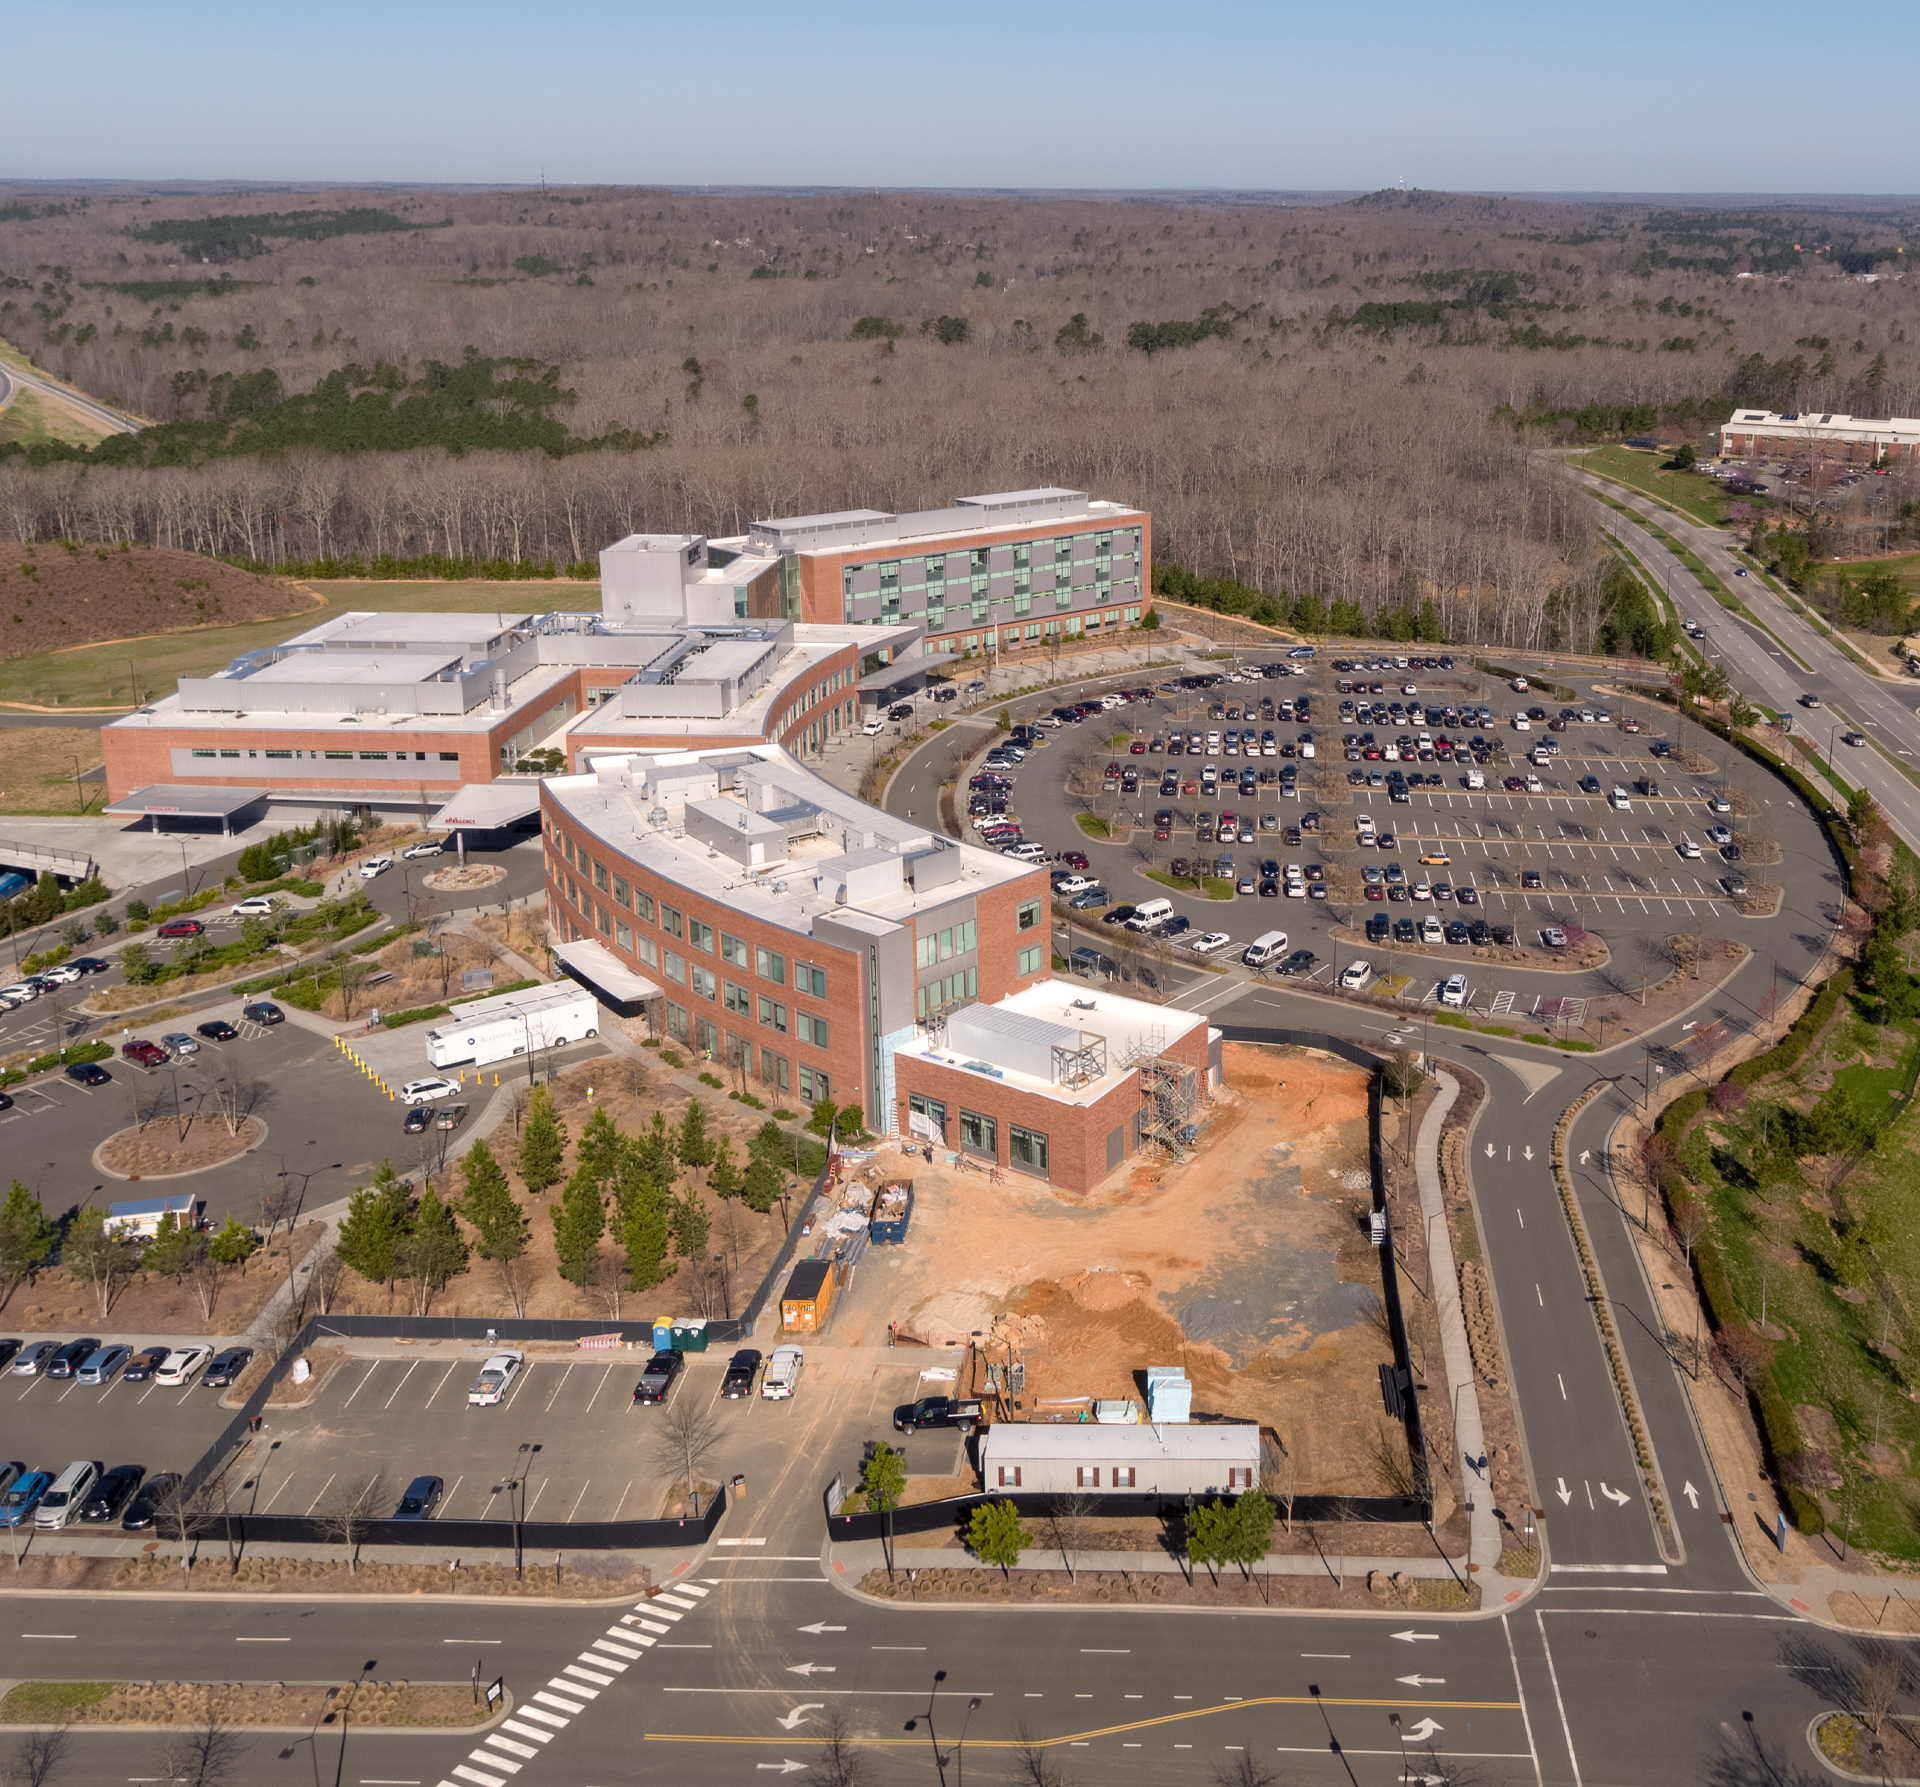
x=1138 y=748
x=1075 y=859
x=147 y=1054
x=181 y=927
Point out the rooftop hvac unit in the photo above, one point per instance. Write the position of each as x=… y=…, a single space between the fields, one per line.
x=658 y=817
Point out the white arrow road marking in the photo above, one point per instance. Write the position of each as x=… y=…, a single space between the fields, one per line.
x=1563 y=1492
x=1526 y=1153
x=1422 y=1681
x=1412 y=1637
x=787 y=1767
x=1586 y=1154
x=1489 y=1150
x=1692 y=1494
x=816 y=1630
x=1613 y=1495
x=810 y=1669
x=798 y=1716
x=1421 y=1732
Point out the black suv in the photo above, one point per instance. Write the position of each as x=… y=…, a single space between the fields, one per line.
x=741 y=1370
x=111 y=1492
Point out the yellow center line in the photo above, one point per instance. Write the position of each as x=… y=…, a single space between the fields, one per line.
x=1198 y=1712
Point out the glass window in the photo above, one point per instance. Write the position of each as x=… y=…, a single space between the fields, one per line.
x=1026 y=1148
x=703 y=982
x=226 y=753
x=449 y=756
x=770 y=965
x=774 y=1069
x=623 y=935
x=279 y=753
x=566 y=844
x=811 y=1029
x=604 y=919
x=1027 y=915
x=619 y=891
x=808 y=979
x=600 y=877
x=373 y=756
x=700 y=934
x=671 y=922
x=773 y=1014
x=642 y=904
x=815 y=1085
x=208 y=752
x=676 y=967
x=647 y=950
x=733 y=949
x=979 y=1135
x=1028 y=961
x=330 y=754
x=934 y=1109
x=737 y=999
x=676 y=1021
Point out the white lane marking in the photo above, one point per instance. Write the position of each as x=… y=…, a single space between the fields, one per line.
x=619 y=1650
x=507 y=1743
x=569 y=1707
x=532 y=1731
x=588 y=1675
x=675 y=1601
x=645 y=1624
x=363 y=1383
x=412 y=1367
x=1553 y=1675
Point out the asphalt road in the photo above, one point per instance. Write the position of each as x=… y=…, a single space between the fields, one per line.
x=111 y=420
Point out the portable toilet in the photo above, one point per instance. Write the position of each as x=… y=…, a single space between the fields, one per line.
x=663 y=1334
x=1169 y=1394
x=689 y=1334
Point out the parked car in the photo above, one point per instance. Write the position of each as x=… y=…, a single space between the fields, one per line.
x=180 y=1366
x=1210 y=943
x=450 y=1116
x=429 y=847
x=111 y=1494
x=144 y=1364
x=419 y=1120
x=1355 y=975
x=742 y=1369
x=178 y=1042
x=227 y=1367
x=7 y=1350
x=656 y=1382
x=34 y=1357
x=66 y=1495
x=217 y=1030
x=427 y=1090
x=263 y=1011
x=375 y=865
x=495 y=1379
x=152 y=1496
x=422 y=1497
x=782 y=1376
x=103 y=1365
x=144 y=1053
x=88 y=1073
x=19 y=1504
x=1554 y=937
x=253 y=906
x=181 y=927
x=68 y=1360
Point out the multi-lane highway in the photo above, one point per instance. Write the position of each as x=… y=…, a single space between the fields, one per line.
x=12 y=378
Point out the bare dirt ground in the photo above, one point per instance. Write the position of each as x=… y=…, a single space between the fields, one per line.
x=159 y=1149
x=1249 y=1264
x=160 y=1306
x=286 y=1704
x=1227 y=1588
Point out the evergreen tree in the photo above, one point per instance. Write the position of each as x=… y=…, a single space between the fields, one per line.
x=488 y=1203
x=770 y=1143
x=643 y=1236
x=995 y=1534
x=172 y=1249
x=579 y=1221
x=695 y=1145
x=689 y=1225
x=234 y=1245
x=600 y=1146
x=433 y=1252
x=542 y=1141
x=724 y=1175
x=26 y=1239
x=136 y=965
x=379 y=1217
x=762 y=1186
x=654 y=1149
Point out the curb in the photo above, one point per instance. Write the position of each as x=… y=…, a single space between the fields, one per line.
x=212 y=1166
x=1846 y=1774
x=97 y=1725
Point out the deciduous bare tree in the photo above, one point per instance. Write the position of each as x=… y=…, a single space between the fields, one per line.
x=686 y=1438
x=349 y=1509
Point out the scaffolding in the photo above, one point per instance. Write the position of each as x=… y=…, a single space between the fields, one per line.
x=1169 y=1096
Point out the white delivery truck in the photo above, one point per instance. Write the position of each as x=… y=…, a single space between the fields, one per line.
x=511 y=1024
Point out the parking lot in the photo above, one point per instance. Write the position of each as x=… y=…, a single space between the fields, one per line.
x=1346 y=818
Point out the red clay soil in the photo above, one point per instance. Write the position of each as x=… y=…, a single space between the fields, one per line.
x=74 y=593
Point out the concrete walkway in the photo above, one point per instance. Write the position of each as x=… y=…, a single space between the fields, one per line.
x=1463 y=1390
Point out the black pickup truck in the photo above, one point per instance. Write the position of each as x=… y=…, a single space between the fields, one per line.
x=937 y=1411
x=658 y=1377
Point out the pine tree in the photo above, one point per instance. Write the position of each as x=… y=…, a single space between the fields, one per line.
x=26 y=1238
x=995 y=1534
x=433 y=1252
x=600 y=1146
x=724 y=1175
x=578 y=1223
x=487 y=1202
x=542 y=1142
x=234 y=1244
x=762 y=1186
x=770 y=1143
x=370 y=1238
x=695 y=1144
x=689 y=1226
x=172 y=1249
x=643 y=1236
x=656 y=1153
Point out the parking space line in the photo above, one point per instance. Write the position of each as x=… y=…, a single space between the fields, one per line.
x=372 y=1367
x=278 y=1491
x=412 y=1367
x=578 y=1499
x=451 y=1493
x=537 y=1494
x=437 y=1388
x=324 y=1487
x=566 y=1371
x=595 y=1397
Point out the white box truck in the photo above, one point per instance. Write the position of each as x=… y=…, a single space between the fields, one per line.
x=510 y=1024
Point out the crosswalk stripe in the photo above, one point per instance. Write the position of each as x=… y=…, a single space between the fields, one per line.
x=619 y=1650
x=473 y=1774
x=492 y=1761
x=668 y=1613
x=507 y=1743
x=674 y=1601
x=585 y=1674
x=564 y=1686
x=691 y=1588
x=533 y=1712
x=645 y=1624
x=566 y=1706
x=533 y=1731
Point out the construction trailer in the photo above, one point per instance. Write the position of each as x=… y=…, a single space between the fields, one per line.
x=807 y=1302
x=1176 y=1460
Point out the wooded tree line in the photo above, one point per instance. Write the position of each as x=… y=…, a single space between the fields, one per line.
x=1353 y=464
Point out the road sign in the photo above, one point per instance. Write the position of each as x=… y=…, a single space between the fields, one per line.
x=496 y=1691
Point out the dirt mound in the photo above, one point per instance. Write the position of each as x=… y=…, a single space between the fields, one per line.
x=73 y=593
x=1106 y=1290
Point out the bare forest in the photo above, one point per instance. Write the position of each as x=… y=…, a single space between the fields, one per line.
x=1359 y=401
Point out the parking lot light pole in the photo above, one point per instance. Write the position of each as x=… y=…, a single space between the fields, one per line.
x=346 y=1711
x=312 y=1739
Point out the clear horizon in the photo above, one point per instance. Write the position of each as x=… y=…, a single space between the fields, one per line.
x=1513 y=100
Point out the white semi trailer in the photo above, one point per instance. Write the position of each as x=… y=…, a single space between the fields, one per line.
x=511 y=1024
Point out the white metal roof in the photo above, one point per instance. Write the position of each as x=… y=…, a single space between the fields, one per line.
x=605 y=971
x=486 y=806
x=1011 y=1441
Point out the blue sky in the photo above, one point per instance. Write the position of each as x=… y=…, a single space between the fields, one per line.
x=1628 y=97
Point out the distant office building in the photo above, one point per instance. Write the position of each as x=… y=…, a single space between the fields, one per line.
x=1790 y=434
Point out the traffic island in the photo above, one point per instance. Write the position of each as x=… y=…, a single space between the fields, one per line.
x=1867 y=1747
x=164 y=1149
x=1168 y=1583
x=286 y=1706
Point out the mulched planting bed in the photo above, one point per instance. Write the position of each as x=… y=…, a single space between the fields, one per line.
x=160 y=1149
x=239 y=1703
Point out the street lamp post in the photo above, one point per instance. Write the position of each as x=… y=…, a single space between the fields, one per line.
x=346 y=1712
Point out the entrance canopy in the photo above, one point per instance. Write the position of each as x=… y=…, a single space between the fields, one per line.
x=488 y=806
x=605 y=976
x=170 y=801
x=904 y=670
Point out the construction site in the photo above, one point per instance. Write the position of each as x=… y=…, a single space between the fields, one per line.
x=1233 y=1242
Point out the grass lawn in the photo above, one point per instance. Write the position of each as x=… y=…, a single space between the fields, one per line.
x=1093 y=825
x=1703 y=498
x=103 y=675
x=37 y=769
x=1784 y=1247
x=32 y=417
x=1210 y=885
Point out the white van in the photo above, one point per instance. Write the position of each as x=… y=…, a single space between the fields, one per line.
x=1618 y=799
x=1475 y=779
x=62 y=1502
x=1265 y=949
x=1146 y=917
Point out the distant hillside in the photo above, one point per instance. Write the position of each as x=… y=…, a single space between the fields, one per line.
x=72 y=593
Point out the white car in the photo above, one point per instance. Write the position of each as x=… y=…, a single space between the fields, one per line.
x=1720 y=804
x=63 y=974
x=1356 y=975
x=873 y=727
x=181 y=1366
x=20 y=993
x=1519 y=685
x=1535 y=785
x=1520 y=724
x=1421 y=890
x=1454 y=992
x=253 y=906
x=1209 y=942
x=495 y=1379
x=426 y=1091
x=375 y=865
x=1689 y=849
x=782 y=1374
x=1431 y=931
x=432 y=847
x=1553 y=937
x=178 y=1042
x=1072 y=885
